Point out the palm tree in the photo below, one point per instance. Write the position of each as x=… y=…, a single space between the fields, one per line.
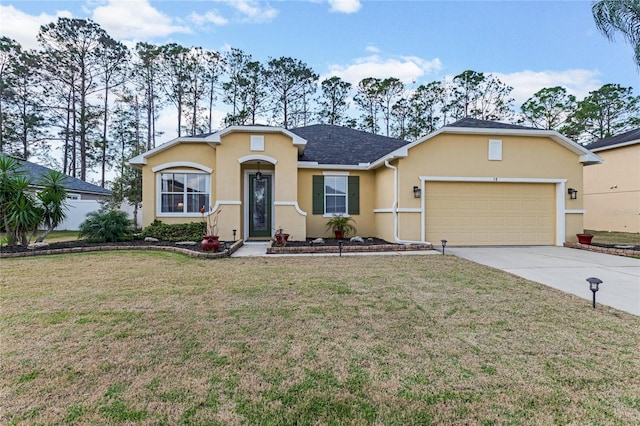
x=622 y=16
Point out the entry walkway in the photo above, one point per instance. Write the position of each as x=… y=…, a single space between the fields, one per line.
x=567 y=269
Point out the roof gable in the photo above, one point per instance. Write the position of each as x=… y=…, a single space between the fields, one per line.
x=631 y=137
x=472 y=126
x=215 y=138
x=35 y=171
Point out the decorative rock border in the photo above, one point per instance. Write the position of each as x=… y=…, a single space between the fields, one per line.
x=607 y=250
x=349 y=249
x=207 y=255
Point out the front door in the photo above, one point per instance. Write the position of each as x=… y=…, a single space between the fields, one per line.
x=259 y=206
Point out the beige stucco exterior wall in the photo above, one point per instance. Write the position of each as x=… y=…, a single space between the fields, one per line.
x=198 y=153
x=278 y=147
x=612 y=191
x=316 y=223
x=278 y=158
x=384 y=197
x=460 y=155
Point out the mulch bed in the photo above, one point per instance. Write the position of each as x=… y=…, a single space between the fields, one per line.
x=618 y=246
x=333 y=242
x=82 y=243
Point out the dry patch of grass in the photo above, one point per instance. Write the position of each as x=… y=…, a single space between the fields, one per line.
x=605 y=237
x=158 y=338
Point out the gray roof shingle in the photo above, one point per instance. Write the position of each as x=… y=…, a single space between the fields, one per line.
x=329 y=144
x=35 y=171
x=486 y=124
x=630 y=136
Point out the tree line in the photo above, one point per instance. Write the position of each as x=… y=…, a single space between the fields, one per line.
x=100 y=101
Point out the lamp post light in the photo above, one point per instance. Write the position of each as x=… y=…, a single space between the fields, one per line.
x=444 y=244
x=594 y=286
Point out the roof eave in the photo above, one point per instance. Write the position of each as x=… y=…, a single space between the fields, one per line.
x=325 y=166
x=618 y=145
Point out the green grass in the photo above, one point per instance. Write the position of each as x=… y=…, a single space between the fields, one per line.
x=160 y=338
x=53 y=237
x=622 y=238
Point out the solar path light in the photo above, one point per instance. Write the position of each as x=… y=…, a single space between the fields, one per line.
x=594 y=286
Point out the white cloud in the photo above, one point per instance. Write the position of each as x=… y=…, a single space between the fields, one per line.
x=24 y=28
x=372 y=49
x=578 y=82
x=407 y=69
x=211 y=17
x=135 y=19
x=253 y=11
x=345 y=6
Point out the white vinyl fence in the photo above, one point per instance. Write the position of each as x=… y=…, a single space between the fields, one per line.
x=78 y=210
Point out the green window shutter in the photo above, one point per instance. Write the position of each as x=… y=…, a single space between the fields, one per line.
x=353 y=189
x=318 y=194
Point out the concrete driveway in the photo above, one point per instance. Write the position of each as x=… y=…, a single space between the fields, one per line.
x=567 y=269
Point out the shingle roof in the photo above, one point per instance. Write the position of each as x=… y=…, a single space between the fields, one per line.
x=486 y=124
x=328 y=144
x=35 y=171
x=630 y=136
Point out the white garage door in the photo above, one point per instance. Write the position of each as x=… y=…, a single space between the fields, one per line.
x=474 y=213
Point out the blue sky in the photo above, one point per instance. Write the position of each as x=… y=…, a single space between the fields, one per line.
x=527 y=44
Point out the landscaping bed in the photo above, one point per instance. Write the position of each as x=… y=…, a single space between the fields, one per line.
x=332 y=245
x=194 y=250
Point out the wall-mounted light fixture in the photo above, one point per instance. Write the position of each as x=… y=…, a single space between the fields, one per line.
x=258 y=174
x=417 y=192
x=573 y=193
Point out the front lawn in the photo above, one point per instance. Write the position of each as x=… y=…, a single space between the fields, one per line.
x=160 y=338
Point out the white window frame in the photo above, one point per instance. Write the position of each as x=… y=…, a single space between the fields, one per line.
x=345 y=177
x=159 y=192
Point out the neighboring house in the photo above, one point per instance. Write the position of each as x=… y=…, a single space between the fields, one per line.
x=472 y=182
x=612 y=189
x=83 y=197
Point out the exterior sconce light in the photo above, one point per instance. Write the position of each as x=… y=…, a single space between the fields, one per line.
x=444 y=244
x=258 y=174
x=594 y=286
x=417 y=192
x=573 y=193
x=234 y=234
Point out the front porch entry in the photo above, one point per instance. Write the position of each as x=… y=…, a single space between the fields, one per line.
x=259 y=211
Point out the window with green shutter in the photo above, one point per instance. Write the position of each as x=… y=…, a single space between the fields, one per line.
x=354 y=195
x=318 y=195
x=336 y=194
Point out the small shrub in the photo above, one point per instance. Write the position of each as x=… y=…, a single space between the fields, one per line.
x=106 y=226
x=193 y=231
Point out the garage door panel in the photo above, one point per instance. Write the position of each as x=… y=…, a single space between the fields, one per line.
x=487 y=213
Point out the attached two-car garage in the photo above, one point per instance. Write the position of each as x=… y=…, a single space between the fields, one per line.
x=490 y=213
